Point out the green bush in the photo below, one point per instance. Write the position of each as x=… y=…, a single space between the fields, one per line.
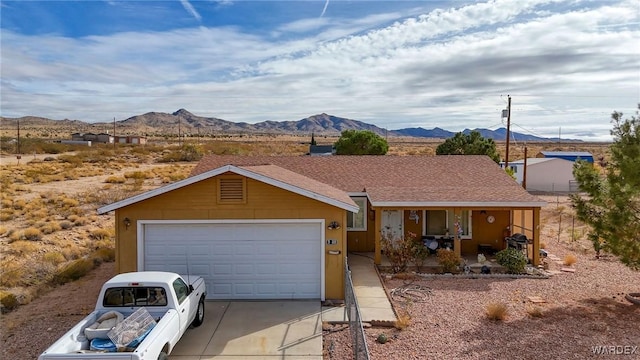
x=448 y=259
x=512 y=260
x=73 y=271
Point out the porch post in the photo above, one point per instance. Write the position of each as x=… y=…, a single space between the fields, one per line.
x=536 y=236
x=377 y=257
x=457 y=244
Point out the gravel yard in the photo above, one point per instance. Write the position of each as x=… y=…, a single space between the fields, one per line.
x=581 y=311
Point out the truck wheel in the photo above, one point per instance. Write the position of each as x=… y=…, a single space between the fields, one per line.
x=199 y=319
x=163 y=356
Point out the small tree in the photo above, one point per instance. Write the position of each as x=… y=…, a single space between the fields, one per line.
x=361 y=142
x=472 y=143
x=610 y=203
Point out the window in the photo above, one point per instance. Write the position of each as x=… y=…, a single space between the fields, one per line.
x=358 y=222
x=436 y=222
x=441 y=222
x=231 y=189
x=134 y=296
x=181 y=289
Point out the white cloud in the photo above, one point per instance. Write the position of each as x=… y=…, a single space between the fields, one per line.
x=448 y=68
x=190 y=9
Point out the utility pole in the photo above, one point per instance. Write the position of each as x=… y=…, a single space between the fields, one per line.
x=524 y=170
x=114 y=133
x=506 y=158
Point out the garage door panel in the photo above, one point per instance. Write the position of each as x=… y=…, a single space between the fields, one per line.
x=241 y=260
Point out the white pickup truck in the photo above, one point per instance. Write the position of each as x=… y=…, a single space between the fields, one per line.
x=171 y=304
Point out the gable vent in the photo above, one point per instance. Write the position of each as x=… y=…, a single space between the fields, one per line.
x=231 y=190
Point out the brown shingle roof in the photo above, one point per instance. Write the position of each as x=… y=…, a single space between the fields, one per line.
x=300 y=181
x=454 y=179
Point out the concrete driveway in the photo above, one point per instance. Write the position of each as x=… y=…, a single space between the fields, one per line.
x=259 y=330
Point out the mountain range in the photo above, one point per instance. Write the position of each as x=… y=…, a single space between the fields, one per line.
x=184 y=122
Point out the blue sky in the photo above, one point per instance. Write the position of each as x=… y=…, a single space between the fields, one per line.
x=451 y=64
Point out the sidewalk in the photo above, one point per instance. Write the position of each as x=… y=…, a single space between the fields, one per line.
x=372 y=299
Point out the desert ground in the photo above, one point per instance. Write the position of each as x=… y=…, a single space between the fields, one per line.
x=575 y=311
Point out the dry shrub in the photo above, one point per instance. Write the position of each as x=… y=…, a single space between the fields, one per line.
x=535 y=312
x=3 y=229
x=115 y=179
x=543 y=245
x=496 y=311
x=448 y=259
x=6 y=214
x=12 y=273
x=403 y=322
x=100 y=234
x=37 y=215
x=32 y=234
x=23 y=247
x=50 y=227
x=104 y=255
x=73 y=271
x=137 y=175
x=71 y=252
x=54 y=258
x=8 y=301
x=68 y=202
x=19 y=204
x=66 y=225
x=77 y=220
x=569 y=259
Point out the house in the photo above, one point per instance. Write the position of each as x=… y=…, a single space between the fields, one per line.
x=545 y=174
x=91 y=137
x=273 y=227
x=567 y=155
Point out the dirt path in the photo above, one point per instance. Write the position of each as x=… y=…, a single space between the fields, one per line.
x=30 y=329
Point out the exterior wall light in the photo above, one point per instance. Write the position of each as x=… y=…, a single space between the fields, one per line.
x=333 y=225
x=127 y=222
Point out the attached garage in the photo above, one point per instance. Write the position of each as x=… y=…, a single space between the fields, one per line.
x=254 y=232
x=240 y=259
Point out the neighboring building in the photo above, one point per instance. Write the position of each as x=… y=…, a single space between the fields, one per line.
x=545 y=174
x=94 y=138
x=567 y=155
x=279 y=227
x=321 y=150
x=109 y=139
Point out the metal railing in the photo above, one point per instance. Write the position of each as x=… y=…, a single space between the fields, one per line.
x=360 y=349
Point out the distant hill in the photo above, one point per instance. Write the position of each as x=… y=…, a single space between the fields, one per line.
x=184 y=122
x=497 y=134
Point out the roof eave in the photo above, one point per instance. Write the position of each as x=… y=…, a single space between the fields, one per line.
x=223 y=169
x=487 y=204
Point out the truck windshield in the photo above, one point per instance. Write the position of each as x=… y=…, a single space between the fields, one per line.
x=135 y=296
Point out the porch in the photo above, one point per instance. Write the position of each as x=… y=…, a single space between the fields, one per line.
x=467 y=231
x=431 y=264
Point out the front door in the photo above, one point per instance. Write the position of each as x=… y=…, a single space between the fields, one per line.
x=392 y=224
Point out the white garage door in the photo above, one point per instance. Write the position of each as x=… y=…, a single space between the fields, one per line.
x=241 y=260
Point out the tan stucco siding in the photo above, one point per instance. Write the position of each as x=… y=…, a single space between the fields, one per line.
x=198 y=201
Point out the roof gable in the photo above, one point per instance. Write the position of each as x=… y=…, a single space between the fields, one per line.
x=269 y=174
